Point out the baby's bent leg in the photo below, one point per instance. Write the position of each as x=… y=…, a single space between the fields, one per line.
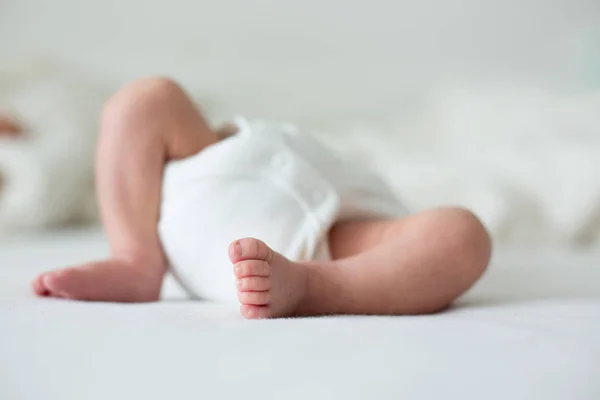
x=143 y=126
x=413 y=266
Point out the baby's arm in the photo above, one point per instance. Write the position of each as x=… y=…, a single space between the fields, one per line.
x=145 y=125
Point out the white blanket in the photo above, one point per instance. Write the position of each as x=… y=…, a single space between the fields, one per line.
x=528 y=330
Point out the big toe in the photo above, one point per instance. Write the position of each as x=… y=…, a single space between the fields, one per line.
x=57 y=283
x=50 y=284
x=249 y=249
x=39 y=287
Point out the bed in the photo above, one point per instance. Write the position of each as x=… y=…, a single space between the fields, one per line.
x=529 y=330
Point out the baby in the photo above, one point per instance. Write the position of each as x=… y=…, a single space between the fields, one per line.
x=259 y=213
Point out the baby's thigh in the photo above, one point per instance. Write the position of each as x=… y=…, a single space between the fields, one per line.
x=353 y=237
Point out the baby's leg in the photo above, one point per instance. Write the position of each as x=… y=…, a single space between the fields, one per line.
x=412 y=266
x=143 y=126
x=416 y=265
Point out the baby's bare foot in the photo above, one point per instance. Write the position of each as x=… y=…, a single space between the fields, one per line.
x=112 y=280
x=268 y=284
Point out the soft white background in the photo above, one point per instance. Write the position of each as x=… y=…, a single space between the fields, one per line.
x=489 y=104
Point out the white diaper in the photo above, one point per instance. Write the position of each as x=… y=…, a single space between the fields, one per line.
x=268 y=181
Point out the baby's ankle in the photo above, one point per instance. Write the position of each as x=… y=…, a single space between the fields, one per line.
x=320 y=298
x=149 y=260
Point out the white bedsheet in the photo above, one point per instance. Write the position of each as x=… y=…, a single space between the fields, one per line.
x=529 y=330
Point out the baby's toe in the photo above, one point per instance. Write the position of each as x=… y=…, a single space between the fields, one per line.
x=56 y=281
x=38 y=286
x=254 y=298
x=52 y=283
x=255 y=312
x=64 y=283
x=254 y=283
x=252 y=268
x=249 y=249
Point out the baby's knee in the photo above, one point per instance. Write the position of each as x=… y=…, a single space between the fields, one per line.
x=468 y=237
x=145 y=99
